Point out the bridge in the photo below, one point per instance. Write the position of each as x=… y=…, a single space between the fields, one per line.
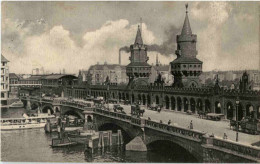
x=54 y=106
x=196 y=144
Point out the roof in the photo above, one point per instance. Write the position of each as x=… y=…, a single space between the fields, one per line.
x=57 y=76
x=162 y=67
x=186 y=30
x=13 y=75
x=186 y=60
x=102 y=67
x=138 y=39
x=33 y=77
x=84 y=72
x=3 y=59
x=138 y=64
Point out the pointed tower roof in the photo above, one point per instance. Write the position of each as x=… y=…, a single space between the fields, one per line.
x=3 y=59
x=186 y=30
x=138 y=39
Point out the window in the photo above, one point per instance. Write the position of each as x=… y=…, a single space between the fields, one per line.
x=190 y=65
x=195 y=66
x=184 y=66
x=198 y=65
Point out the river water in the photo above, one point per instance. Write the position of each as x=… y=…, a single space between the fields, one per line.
x=33 y=145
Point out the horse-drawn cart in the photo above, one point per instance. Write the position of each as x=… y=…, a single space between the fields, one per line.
x=135 y=110
x=117 y=107
x=214 y=116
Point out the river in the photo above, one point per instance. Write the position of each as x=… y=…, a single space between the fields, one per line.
x=33 y=145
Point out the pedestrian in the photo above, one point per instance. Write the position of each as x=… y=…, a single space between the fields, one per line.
x=149 y=118
x=191 y=125
x=59 y=131
x=169 y=122
x=161 y=121
x=225 y=136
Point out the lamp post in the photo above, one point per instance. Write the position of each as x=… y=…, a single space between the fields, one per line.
x=237 y=103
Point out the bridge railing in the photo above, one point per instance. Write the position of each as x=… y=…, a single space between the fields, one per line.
x=75 y=104
x=47 y=100
x=175 y=130
x=242 y=149
x=136 y=121
x=119 y=116
x=152 y=124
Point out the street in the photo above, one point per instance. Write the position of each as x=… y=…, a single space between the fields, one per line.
x=218 y=128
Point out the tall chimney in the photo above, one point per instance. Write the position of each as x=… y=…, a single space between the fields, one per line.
x=119 y=57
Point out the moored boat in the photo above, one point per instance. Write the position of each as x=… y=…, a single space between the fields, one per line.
x=17 y=104
x=23 y=123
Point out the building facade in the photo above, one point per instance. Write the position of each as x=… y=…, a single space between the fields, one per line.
x=14 y=88
x=98 y=73
x=186 y=93
x=227 y=78
x=4 y=81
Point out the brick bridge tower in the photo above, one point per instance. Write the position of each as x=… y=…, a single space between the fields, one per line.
x=138 y=70
x=186 y=68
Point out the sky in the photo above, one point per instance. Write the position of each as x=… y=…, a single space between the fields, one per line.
x=76 y=35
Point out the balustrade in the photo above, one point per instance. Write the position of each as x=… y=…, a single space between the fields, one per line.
x=173 y=129
x=243 y=149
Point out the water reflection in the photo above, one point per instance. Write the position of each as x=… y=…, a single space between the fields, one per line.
x=33 y=145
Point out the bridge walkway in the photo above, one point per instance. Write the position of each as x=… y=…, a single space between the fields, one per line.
x=218 y=128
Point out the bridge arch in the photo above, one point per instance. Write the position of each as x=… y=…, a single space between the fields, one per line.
x=218 y=107
x=114 y=127
x=173 y=103
x=133 y=98
x=192 y=105
x=144 y=100
x=249 y=110
x=35 y=105
x=73 y=112
x=123 y=96
x=47 y=107
x=148 y=100
x=139 y=99
x=176 y=152
x=258 y=112
x=157 y=100
x=179 y=103
x=199 y=105
x=119 y=96
x=230 y=110
x=240 y=113
x=113 y=95
x=127 y=96
x=207 y=106
x=185 y=104
x=167 y=102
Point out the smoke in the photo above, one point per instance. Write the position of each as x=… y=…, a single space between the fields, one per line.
x=169 y=44
x=125 y=48
x=167 y=47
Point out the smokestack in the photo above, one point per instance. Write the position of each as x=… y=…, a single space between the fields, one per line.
x=119 y=57
x=37 y=71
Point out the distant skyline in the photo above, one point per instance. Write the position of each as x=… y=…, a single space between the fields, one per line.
x=75 y=35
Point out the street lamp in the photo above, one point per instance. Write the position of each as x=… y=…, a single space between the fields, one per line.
x=237 y=103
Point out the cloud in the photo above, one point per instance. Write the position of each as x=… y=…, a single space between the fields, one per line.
x=227 y=34
x=55 y=49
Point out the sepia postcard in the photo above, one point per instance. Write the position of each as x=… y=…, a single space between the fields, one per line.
x=130 y=81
